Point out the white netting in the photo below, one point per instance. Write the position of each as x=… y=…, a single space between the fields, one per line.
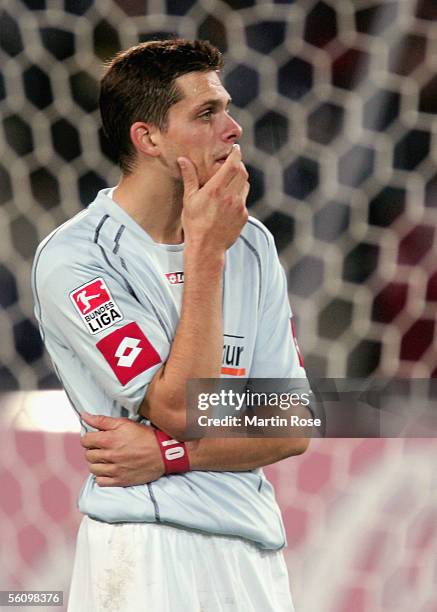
x=338 y=102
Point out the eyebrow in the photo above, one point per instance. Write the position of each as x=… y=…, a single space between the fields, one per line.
x=213 y=102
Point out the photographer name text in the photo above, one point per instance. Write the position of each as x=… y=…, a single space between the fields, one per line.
x=256 y=421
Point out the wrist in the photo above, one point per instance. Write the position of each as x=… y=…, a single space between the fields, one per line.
x=200 y=255
x=194 y=453
x=174 y=453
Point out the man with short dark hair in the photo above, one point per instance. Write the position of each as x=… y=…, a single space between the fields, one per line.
x=163 y=279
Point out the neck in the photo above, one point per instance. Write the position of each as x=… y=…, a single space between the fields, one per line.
x=154 y=202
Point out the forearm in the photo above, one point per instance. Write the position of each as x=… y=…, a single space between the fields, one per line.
x=247 y=453
x=197 y=346
x=240 y=454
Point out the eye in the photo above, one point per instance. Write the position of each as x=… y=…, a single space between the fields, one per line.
x=206 y=116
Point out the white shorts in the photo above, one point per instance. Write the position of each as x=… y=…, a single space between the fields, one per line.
x=143 y=567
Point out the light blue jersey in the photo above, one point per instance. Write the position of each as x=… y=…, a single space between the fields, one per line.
x=108 y=299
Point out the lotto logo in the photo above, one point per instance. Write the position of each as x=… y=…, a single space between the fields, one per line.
x=128 y=352
x=175 y=278
x=97 y=309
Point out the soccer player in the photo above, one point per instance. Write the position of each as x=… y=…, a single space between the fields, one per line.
x=162 y=279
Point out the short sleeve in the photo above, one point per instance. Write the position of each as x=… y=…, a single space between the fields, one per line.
x=96 y=319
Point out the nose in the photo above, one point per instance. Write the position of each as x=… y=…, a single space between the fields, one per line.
x=233 y=131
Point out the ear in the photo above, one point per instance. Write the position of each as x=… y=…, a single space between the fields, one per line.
x=143 y=138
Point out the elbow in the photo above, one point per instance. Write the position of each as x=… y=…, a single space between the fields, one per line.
x=173 y=423
x=297 y=446
x=166 y=411
x=302 y=446
x=177 y=429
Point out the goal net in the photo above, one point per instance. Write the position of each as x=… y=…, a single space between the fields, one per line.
x=338 y=102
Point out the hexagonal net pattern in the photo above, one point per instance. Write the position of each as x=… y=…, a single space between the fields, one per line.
x=337 y=100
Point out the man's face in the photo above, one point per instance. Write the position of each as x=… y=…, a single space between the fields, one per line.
x=199 y=126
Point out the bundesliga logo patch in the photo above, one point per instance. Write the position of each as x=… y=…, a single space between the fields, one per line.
x=95 y=305
x=175 y=278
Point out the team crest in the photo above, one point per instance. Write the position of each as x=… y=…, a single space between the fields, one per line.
x=97 y=309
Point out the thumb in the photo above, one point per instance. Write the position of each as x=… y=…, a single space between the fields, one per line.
x=100 y=421
x=189 y=175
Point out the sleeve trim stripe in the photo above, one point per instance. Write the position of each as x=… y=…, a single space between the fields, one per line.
x=258 y=259
x=261 y=229
x=128 y=286
x=154 y=502
x=99 y=227
x=117 y=239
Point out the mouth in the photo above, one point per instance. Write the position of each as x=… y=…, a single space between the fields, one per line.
x=221 y=160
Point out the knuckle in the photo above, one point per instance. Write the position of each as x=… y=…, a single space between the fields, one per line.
x=104 y=439
x=110 y=470
x=240 y=203
x=110 y=456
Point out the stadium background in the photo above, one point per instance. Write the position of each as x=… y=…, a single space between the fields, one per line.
x=338 y=102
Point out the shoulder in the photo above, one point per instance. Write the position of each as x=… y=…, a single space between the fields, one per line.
x=68 y=257
x=256 y=230
x=258 y=238
x=74 y=242
x=68 y=244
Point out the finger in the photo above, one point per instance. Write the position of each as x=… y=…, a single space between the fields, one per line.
x=229 y=169
x=97 y=456
x=102 y=469
x=189 y=176
x=94 y=439
x=244 y=192
x=238 y=182
x=100 y=421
